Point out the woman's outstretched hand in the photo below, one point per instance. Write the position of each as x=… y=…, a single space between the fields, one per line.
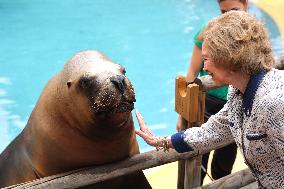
x=144 y=132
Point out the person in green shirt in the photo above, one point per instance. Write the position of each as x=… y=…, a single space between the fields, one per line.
x=223 y=158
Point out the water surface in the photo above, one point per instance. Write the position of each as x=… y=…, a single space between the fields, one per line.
x=152 y=39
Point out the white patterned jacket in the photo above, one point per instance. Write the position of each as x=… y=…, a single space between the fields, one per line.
x=255 y=121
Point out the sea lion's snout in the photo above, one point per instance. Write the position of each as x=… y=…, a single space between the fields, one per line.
x=125 y=93
x=112 y=94
x=119 y=82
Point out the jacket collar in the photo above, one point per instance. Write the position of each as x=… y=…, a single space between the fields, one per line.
x=250 y=91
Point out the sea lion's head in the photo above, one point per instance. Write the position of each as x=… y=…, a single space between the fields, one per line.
x=98 y=89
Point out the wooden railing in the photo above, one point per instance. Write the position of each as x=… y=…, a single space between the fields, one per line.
x=232 y=181
x=91 y=175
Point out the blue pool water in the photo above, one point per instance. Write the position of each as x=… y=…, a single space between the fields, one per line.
x=152 y=39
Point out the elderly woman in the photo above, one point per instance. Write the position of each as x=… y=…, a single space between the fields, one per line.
x=237 y=52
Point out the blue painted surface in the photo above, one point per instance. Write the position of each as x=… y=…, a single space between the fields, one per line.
x=152 y=39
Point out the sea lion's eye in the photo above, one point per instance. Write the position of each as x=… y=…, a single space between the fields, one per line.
x=87 y=82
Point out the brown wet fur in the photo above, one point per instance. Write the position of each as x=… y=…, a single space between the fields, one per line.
x=81 y=119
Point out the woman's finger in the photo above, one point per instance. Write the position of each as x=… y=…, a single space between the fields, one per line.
x=140 y=118
x=142 y=124
x=144 y=131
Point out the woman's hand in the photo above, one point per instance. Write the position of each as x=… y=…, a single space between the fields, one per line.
x=144 y=132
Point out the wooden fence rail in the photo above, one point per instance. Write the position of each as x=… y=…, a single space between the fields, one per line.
x=233 y=181
x=91 y=175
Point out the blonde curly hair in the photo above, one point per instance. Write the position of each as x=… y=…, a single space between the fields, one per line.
x=239 y=42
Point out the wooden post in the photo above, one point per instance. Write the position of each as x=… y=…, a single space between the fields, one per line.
x=186 y=99
x=190 y=104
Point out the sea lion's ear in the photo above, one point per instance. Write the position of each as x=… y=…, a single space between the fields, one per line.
x=69 y=83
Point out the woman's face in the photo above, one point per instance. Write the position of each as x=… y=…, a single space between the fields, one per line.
x=219 y=75
x=227 y=5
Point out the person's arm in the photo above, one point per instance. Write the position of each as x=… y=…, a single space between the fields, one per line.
x=195 y=63
x=275 y=130
x=209 y=135
x=214 y=132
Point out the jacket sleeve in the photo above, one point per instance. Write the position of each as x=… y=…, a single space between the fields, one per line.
x=212 y=133
x=276 y=124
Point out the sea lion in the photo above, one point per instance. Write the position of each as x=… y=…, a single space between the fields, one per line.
x=82 y=118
